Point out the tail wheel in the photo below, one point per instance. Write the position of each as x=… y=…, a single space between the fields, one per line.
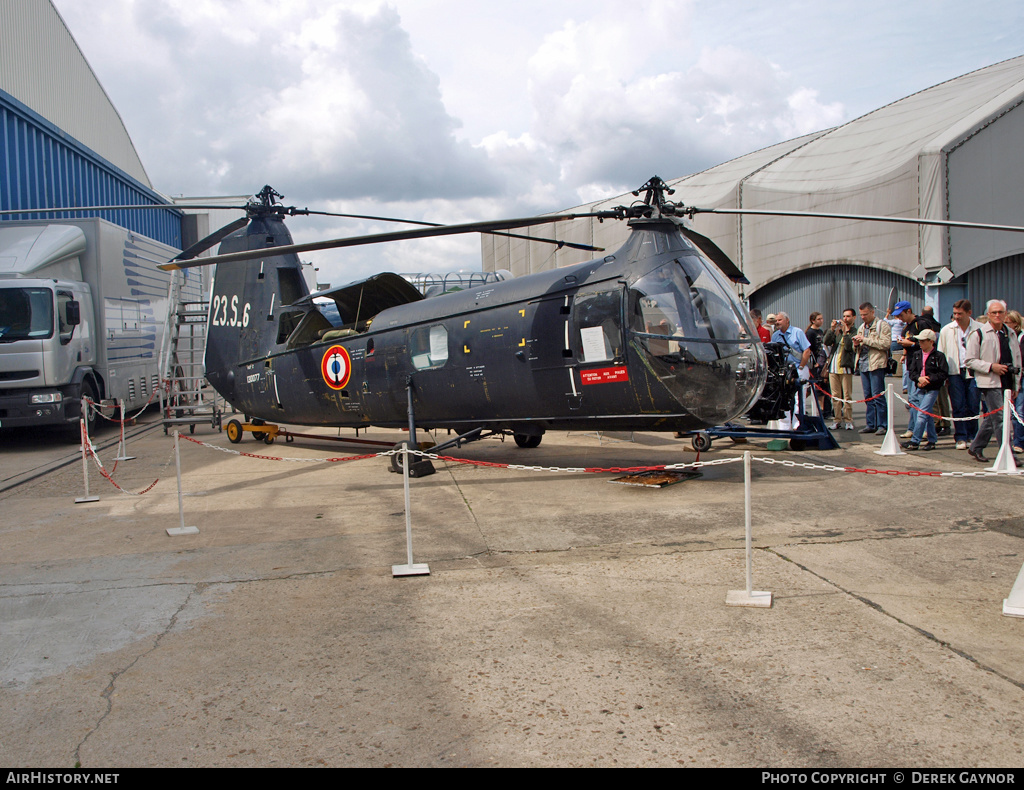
x=234 y=431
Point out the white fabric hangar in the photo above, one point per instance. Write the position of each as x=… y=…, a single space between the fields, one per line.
x=952 y=151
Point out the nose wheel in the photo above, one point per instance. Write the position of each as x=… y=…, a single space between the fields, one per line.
x=701 y=442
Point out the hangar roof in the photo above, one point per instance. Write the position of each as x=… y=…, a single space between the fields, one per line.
x=42 y=67
x=894 y=161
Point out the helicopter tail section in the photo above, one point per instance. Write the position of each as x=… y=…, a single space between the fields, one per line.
x=249 y=316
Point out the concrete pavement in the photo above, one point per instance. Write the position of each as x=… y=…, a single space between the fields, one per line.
x=567 y=621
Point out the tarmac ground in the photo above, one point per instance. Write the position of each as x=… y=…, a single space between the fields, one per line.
x=566 y=621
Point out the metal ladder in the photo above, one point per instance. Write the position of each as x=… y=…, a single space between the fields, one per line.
x=186 y=398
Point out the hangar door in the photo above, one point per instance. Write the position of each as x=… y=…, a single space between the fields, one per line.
x=829 y=289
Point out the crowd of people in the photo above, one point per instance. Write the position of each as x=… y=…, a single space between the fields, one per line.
x=957 y=371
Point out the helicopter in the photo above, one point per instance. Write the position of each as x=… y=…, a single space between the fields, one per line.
x=648 y=338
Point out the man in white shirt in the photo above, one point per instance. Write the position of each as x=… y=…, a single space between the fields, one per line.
x=963 y=391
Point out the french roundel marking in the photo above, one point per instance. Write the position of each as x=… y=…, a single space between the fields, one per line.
x=336 y=367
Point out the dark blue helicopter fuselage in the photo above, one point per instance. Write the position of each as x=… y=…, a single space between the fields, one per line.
x=649 y=338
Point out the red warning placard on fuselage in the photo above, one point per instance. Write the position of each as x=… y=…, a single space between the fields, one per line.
x=336 y=367
x=604 y=375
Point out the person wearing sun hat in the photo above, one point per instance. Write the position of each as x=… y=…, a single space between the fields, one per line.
x=928 y=371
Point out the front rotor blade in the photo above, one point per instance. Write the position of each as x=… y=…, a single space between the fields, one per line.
x=715 y=253
x=402 y=235
x=944 y=223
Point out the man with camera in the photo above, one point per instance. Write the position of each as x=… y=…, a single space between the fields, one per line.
x=994 y=356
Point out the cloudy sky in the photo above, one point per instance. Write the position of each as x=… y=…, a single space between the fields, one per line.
x=451 y=110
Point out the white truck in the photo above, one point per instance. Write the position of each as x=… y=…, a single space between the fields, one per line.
x=83 y=312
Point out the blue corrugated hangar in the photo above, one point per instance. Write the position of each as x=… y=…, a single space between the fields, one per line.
x=64 y=143
x=952 y=151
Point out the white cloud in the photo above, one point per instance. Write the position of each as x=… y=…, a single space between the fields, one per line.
x=333 y=104
x=325 y=99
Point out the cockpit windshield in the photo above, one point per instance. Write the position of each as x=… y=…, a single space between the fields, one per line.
x=697 y=337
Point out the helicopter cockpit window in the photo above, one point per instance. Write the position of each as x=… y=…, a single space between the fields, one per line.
x=684 y=303
x=695 y=338
x=428 y=347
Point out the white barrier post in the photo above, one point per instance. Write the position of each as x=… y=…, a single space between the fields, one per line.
x=1004 y=460
x=748 y=597
x=182 y=529
x=85 y=462
x=120 y=442
x=1014 y=605
x=890 y=444
x=410 y=568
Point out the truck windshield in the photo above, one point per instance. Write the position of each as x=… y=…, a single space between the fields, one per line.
x=25 y=313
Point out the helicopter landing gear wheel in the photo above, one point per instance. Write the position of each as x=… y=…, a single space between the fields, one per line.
x=701 y=442
x=399 y=457
x=526 y=441
x=234 y=431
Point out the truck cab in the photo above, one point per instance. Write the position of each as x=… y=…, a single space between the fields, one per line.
x=83 y=311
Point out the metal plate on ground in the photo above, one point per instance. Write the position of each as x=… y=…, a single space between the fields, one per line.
x=657 y=479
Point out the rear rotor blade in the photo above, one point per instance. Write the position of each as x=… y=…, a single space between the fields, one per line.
x=559 y=242
x=356 y=241
x=216 y=237
x=136 y=207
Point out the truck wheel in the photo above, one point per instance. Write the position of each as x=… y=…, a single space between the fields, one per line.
x=88 y=391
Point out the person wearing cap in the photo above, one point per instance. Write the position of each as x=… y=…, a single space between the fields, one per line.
x=914 y=325
x=770 y=322
x=994 y=356
x=928 y=371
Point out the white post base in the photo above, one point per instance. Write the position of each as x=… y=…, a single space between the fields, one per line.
x=415 y=569
x=175 y=531
x=756 y=598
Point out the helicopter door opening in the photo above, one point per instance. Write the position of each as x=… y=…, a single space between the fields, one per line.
x=600 y=346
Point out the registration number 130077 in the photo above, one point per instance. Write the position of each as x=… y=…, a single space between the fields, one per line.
x=224 y=312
